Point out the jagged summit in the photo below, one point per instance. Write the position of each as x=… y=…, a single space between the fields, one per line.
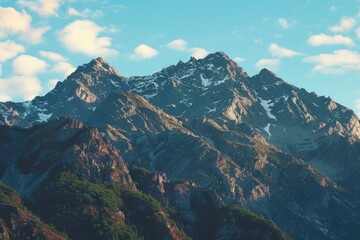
x=96 y=66
x=266 y=73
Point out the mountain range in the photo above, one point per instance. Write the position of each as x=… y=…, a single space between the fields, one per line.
x=197 y=150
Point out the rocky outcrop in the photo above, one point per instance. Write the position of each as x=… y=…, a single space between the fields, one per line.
x=34 y=154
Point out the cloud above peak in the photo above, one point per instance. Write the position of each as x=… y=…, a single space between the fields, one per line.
x=271 y=64
x=82 y=36
x=143 y=52
x=178 y=44
x=182 y=46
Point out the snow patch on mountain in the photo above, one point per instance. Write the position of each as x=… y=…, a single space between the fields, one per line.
x=44 y=117
x=267 y=105
x=267 y=130
x=204 y=81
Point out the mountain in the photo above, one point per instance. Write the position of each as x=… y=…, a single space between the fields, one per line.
x=252 y=141
x=16 y=222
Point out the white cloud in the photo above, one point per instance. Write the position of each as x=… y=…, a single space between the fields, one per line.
x=178 y=44
x=52 y=83
x=271 y=64
x=283 y=23
x=85 y=13
x=345 y=24
x=14 y=22
x=198 y=53
x=61 y=64
x=74 y=12
x=144 y=51
x=278 y=51
x=238 y=59
x=322 y=39
x=182 y=46
x=63 y=67
x=26 y=65
x=35 y=36
x=339 y=62
x=52 y=56
x=19 y=87
x=42 y=7
x=9 y=49
x=81 y=36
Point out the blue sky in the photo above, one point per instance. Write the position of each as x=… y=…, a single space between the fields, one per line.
x=311 y=44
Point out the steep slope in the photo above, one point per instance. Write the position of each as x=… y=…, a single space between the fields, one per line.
x=85 y=210
x=29 y=156
x=202 y=213
x=132 y=113
x=17 y=223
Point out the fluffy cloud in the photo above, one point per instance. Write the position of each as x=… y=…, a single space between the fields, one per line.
x=81 y=36
x=64 y=68
x=9 y=49
x=178 y=44
x=322 y=39
x=345 y=24
x=26 y=65
x=339 y=62
x=271 y=64
x=61 y=64
x=35 y=36
x=144 y=51
x=19 y=87
x=198 y=53
x=283 y=23
x=278 y=51
x=52 y=56
x=42 y=7
x=181 y=45
x=14 y=22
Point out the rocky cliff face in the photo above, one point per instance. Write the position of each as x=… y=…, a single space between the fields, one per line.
x=31 y=155
x=257 y=142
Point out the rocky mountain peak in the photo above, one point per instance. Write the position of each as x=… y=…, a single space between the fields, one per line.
x=97 y=66
x=266 y=73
